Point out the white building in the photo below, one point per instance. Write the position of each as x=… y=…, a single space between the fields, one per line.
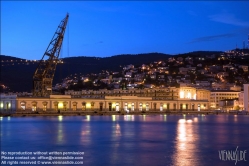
x=246 y=97
x=241 y=100
x=217 y=95
x=8 y=102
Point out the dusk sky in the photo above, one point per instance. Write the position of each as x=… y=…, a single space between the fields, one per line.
x=107 y=28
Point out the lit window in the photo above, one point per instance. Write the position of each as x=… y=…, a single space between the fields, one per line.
x=23 y=105
x=147 y=107
x=181 y=94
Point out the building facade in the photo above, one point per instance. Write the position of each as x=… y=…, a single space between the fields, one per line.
x=8 y=102
x=246 y=97
x=217 y=95
x=109 y=103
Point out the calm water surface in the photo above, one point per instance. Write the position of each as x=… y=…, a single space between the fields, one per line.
x=132 y=140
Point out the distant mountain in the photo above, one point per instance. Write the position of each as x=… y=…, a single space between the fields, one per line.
x=17 y=73
x=200 y=53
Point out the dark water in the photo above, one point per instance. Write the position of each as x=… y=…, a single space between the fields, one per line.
x=132 y=140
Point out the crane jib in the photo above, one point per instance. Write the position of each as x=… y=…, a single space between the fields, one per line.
x=44 y=74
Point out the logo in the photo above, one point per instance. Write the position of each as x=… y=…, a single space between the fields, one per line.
x=232 y=155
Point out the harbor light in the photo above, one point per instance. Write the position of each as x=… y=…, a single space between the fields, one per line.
x=88 y=118
x=60 y=118
x=113 y=117
x=60 y=105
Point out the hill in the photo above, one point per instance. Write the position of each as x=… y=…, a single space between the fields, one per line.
x=17 y=73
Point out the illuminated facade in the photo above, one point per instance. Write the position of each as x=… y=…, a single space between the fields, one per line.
x=217 y=95
x=165 y=99
x=110 y=103
x=241 y=100
x=187 y=93
x=8 y=102
x=157 y=94
x=246 y=97
x=171 y=93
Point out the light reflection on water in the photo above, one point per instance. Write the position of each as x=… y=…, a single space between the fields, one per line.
x=60 y=118
x=85 y=134
x=144 y=117
x=129 y=117
x=88 y=117
x=186 y=143
x=130 y=140
x=113 y=117
x=60 y=134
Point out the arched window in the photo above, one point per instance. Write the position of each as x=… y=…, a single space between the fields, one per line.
x=56 y=106
x=117 y=106
x=100 y=106
x=193 y=107
x=147 y=107
x=161 y=106
x=181 y=106
x=174 y=106
x=110 y=106
x=74 y=106
x=44 y=106
x=132 y=107
x=92 y=105
x=154 y=104
x=125 y=106
x=1 y=105
x=64 y=105
x=83 y=106
x=34 y=105
x=168 y=106
x=7 y=106
x=140 y=106
x=23 y=105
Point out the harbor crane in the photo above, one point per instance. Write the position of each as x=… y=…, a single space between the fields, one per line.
x=44 y=74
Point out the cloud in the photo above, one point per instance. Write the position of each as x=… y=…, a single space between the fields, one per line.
x=212 y=38
x=227 y=18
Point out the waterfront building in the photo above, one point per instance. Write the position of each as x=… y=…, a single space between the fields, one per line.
x=217 y=95
x=246 y=97
x=155 y=93
x=241 y=100
x=156 y=99
x=109 y=103
x=228 y=104
x=8 y=102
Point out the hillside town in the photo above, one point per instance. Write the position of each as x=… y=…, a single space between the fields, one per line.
x=218 y=80
x=220 y=75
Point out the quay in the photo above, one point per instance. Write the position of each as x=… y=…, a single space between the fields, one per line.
x=183 y=100
x=108 y=113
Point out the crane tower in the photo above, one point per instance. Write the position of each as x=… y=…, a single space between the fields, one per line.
x=44 y=74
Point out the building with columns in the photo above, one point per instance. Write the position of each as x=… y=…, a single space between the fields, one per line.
x=8 y=102
x=109 y=103
x=217 y=95
x=165 y=99
x=246 y=97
